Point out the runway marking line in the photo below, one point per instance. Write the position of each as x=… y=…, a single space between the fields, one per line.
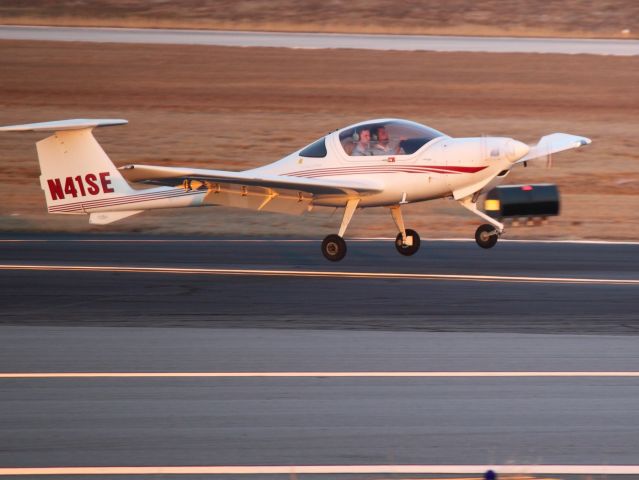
x=515 y=477
x=628 y=374
x=301 y=240
x=322 y=274
x=331 y=469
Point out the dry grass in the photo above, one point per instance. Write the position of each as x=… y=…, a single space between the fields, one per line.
x=236 y=108
x=562 y=18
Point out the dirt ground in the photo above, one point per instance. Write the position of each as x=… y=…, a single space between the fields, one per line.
x=236 y=108
x=573 y=18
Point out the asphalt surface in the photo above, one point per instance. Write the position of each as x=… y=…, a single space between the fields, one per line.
x=247 y=301
x=319 y=420
x=63 y=321
x=324 y=40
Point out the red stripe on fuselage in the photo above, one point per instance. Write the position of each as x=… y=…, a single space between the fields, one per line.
x=364 y=169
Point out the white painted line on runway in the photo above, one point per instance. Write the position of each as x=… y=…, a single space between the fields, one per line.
x=165 y=240
x=322 y=274
x=331 y=470
x=501 y=240
x=557 y=242
x=314 y=374
x=303 y=240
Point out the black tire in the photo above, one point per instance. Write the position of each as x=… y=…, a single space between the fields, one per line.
x=486 y=236
x=334 y=248
x=405 y=249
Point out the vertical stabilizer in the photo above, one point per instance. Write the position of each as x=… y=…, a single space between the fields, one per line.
x=76 y=173
x=75 y=170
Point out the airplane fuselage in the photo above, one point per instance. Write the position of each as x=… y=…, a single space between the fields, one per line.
x=444 y=167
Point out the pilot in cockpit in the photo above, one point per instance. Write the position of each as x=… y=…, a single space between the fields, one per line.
x=362 y=147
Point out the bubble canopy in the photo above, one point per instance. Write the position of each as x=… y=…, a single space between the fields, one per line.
x=386 y=137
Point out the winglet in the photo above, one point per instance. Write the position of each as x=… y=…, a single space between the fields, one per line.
x=73 y=124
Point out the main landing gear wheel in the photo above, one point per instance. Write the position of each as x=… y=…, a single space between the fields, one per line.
x=334 y=248
x=408 y=250
x=486 y=236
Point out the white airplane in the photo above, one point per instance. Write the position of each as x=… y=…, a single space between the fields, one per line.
x=376 y=163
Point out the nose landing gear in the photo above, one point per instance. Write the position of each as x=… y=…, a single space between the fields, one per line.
x=486 y=236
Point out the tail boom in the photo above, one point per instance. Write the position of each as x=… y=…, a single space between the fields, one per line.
x=152 y=198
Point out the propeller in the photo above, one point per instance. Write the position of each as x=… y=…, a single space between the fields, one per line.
x=553 y=143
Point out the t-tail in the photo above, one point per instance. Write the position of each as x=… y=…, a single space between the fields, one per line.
x=78 y=177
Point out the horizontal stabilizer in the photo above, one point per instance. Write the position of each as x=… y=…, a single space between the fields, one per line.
x=553 y=143
x=59 y=125
x=104 y=218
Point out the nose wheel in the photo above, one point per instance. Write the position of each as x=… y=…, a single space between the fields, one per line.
x=486 y=236
x=334 y=248
x=410 y=245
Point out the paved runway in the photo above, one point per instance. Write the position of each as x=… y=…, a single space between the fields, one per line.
x=316 y=328
x=332 y=302
x=324 y=40
x=318 y=420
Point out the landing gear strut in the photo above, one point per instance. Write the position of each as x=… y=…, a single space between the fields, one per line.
x=407 y=242
x=334 y=246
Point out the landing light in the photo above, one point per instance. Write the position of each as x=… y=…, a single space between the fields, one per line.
x=492 y=204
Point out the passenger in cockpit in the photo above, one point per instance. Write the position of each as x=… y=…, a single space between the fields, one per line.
x=383 y=145
x=362 y=147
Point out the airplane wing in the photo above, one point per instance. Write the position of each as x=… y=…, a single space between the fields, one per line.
x=174 y=176
x=553 y=143
x=250 y=189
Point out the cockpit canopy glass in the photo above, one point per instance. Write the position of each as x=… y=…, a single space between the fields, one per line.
x=316 y=149
x=392 y=137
